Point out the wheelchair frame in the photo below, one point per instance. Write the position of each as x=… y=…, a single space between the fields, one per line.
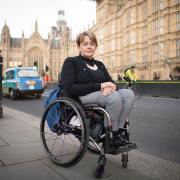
x=77 y=136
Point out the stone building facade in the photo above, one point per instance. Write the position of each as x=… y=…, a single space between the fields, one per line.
x=47 y=53
x=145 y=33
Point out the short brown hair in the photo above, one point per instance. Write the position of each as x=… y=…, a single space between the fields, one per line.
x=81 y=36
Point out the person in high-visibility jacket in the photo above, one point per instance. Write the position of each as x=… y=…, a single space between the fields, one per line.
x=129 y=74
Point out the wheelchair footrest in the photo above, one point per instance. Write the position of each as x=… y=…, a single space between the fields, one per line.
x=122 y=149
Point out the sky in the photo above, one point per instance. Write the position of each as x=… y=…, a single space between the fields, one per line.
x=21 y=15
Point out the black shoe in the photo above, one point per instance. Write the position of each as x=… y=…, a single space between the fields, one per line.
x=121 y=131
x=117 y=140
x=131 y=145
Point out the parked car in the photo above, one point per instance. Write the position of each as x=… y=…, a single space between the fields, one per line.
x=22 y=81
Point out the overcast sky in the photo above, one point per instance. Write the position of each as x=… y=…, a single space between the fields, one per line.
x=21 y=15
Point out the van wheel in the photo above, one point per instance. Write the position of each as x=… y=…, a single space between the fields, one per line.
x=38 y=96
x=12 y=94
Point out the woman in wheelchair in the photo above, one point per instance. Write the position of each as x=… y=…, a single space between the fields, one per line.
x=87 y=81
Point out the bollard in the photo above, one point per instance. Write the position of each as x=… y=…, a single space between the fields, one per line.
x=1 y=69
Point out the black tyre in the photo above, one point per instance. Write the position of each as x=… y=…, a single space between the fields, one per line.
x=12 y=94
x=67 y=143
x=98 y=171
x=124 y=160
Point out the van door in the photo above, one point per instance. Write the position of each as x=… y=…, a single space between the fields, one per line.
x=8 y=82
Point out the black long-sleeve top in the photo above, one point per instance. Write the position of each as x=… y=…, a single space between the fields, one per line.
x=79 y=80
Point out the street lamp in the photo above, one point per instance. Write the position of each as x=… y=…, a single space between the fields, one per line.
x=1 y=69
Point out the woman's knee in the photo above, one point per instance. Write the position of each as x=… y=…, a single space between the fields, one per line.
x=131 y=94
x=127 y=94
x=115 y=98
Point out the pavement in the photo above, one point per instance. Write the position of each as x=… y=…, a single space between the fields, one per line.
x=23 y=158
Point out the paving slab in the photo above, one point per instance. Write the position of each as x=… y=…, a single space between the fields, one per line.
x=84 y=169
x=29 y=171
x=3 y=143
x=15 y=133
x=22 y=153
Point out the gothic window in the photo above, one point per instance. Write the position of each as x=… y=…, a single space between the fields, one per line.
x=161 y=25
x=161 y=50
x=178 y=21
x=132 y=56
x=155 y=5
x=133 y=16
x=178 y=47
x=155 y=52
x=155 y=27
x=113 y=28
x=127 y=39
x=133 y=37
x=161 y=4
x=144 y=11
x=128 y=18
x=177 y=1
x=144 y=33
x=158 y=51
x=145 y=55
x=158 y=5
x=158 y=26
x=112 y=60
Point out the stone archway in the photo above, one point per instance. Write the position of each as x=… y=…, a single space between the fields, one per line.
x=35 y=55
x=176 y=73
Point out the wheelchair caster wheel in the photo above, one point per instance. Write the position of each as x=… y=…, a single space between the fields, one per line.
x=99 y=171
x=124 y=160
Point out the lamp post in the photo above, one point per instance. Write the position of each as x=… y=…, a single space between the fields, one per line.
x=1 y=69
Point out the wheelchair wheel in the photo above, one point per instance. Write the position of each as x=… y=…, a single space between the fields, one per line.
x=67 y=142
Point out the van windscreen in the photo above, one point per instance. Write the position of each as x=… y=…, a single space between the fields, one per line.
x=27 y=73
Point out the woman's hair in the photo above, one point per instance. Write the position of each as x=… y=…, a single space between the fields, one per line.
x=81 y=36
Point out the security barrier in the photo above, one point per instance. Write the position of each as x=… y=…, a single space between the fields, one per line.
x=158 y=88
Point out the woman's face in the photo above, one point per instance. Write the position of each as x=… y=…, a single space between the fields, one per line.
x=87 y=48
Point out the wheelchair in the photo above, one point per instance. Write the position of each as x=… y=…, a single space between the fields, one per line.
x=79 y=128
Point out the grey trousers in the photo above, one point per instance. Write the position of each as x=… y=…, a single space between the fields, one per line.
x=118 y=104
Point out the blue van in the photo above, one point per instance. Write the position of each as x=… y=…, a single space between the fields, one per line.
x=21 y=81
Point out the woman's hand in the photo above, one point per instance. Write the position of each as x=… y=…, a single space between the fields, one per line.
x=108 y=84
x=107 y=88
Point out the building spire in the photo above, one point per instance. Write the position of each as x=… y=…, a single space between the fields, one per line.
x=36 y=26
x=22 y=34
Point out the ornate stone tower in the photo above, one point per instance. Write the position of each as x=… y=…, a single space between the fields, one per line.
x=5 y=37
x=5 y=43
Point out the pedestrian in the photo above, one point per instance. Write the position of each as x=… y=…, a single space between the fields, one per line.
x=88 y=81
